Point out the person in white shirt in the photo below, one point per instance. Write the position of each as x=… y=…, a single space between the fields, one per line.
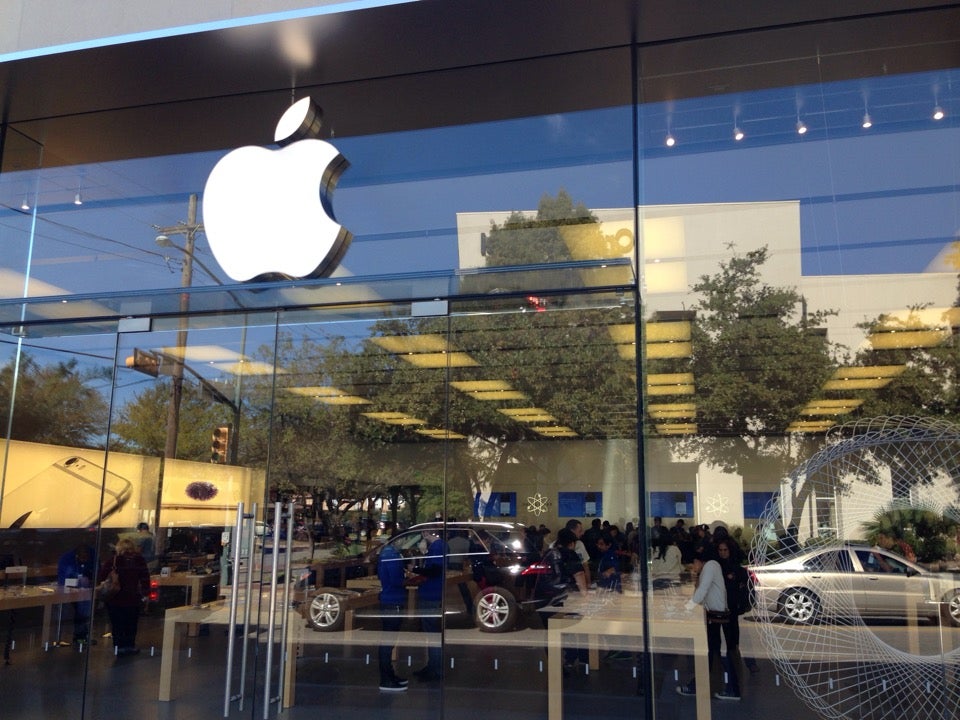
x=711 y=593
x=666 y=570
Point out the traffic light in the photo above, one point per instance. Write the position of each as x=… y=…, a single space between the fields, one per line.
x=220 y=444
x=144 y=361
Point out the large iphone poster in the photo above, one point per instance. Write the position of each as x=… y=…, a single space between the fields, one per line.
x=197 y=493
x=52 y=486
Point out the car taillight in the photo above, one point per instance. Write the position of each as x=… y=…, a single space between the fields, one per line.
x=536 y=569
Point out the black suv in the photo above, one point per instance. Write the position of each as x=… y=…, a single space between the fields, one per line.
x=494 y=554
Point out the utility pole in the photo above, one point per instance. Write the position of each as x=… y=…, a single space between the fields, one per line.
x=189 y=230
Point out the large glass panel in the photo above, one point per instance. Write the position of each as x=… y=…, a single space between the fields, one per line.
x=63 y=499
x=192 y=402
x=429 y=462
x=358 y=450
x=543 y=442
x=798 y=256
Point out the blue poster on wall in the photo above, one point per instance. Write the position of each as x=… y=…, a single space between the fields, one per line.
x=671 y=504
x=754 y=503
x=580 y=504
x=504 y=504
x=498 y=505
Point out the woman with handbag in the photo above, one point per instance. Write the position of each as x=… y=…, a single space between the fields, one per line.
x=711 y=593
x=123 y=607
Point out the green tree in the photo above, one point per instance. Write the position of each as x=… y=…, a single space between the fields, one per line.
x=757 y=358
x=55 y=403
x=928 y=385
x=911 y=531
x=524 y=240
x=564 y=357
x=140 y=425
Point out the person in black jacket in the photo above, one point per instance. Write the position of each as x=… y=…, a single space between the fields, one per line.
x=735 y=581
x=124 y=607
x=565 y=573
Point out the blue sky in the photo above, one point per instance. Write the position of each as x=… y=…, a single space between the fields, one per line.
x=879 y=201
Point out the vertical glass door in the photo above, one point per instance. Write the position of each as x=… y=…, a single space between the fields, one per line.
x=192 y=402
x=542 y=451
x=453 y=441
x=64 y=498
x=358 y=431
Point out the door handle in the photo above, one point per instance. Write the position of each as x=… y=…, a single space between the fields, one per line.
x=272 y=613
x=236 y=543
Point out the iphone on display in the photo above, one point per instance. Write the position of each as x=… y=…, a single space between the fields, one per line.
x=64 y=495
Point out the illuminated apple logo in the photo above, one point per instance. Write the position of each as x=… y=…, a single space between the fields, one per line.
x=268 y=213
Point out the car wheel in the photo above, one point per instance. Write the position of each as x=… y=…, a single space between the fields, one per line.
x=951 y=609
x=800 y=606
x=496 y=610
x=326 y=612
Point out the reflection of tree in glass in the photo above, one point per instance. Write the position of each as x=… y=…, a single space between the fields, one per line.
x=757 y=358
x=524 y=240
x=915 y=533
x=929 y=383
x=562 y=359
x=136 y=429
x=55 y=402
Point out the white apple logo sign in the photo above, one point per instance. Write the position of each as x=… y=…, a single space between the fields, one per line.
x=268 y=213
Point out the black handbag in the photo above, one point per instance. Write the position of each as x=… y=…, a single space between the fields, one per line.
x=718 y=617
x=108 y=589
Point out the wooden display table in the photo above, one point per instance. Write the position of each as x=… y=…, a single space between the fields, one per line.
x=218 y=613
x=621 y=618
x=191 y=583
x=45 y=596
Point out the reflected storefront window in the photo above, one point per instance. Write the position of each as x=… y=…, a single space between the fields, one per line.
x=799 y=361
x=636 y=401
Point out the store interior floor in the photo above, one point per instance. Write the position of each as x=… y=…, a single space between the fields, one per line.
x=340 y=681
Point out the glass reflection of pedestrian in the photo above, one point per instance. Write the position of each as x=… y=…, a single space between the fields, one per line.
x=736 y=581
x=393 y=603
x=459 y=559
x=124 y=607
x=564 y=574
x=76 y=568
x=430 y=600
x=148 y=545
x=711 y=593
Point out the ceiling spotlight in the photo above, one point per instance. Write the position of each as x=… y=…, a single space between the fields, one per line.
x=77 y=200
x=801 y=127
x=867 y=122
x=938 y=113
x=737 y=134
x=670 y=141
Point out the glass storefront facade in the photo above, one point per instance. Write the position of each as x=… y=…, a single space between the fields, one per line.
x=703 y=275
